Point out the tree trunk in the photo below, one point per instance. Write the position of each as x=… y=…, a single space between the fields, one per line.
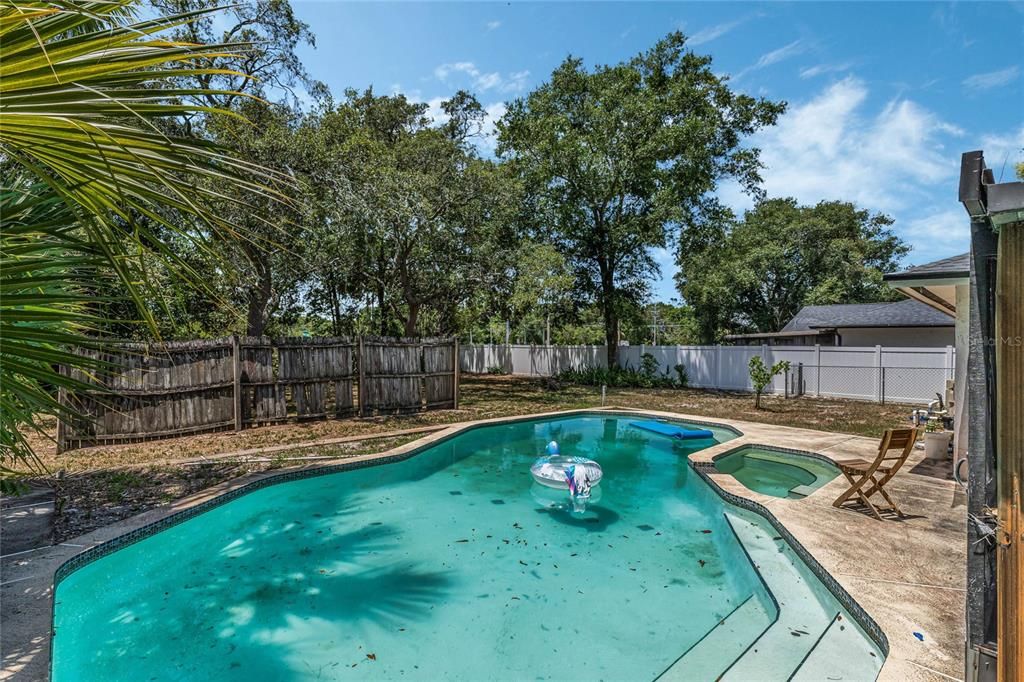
x=381 y=272
x=410 y=321
x=611 y=318
x=259 y=297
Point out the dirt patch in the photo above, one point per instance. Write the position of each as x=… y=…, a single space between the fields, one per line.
x=485 y=397
x=91 y=500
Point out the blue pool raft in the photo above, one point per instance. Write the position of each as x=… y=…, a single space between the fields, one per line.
x=671 y=431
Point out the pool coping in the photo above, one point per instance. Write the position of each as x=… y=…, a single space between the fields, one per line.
x=227 y=491
x=776 y=448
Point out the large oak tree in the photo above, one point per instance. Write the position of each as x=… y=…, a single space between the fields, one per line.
x=782 y=256
x=620 y=157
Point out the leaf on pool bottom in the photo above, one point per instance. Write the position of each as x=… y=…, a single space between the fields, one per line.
x=372 y=657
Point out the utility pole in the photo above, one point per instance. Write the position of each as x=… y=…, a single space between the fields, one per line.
x=547 y=330
x=655 y=324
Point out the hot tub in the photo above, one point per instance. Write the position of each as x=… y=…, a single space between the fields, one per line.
x=776 y=472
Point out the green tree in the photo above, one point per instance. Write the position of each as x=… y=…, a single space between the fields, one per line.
x=91 y=188
x=761 y=376
x=782 y=256
x=621 y=155
x=541 y=287
x=417 y=203
x=264 y=63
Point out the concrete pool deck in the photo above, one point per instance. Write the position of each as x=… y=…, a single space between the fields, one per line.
x=907 y=574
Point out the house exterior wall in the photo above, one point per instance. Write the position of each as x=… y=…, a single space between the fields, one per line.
x=928 y=337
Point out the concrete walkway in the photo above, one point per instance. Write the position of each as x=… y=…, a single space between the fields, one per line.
x=909 y=575
x=26 y=521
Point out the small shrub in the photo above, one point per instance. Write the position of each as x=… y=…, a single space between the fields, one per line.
x=626 y=377
x=495 y=369
x=761 y=376
x=682 y=378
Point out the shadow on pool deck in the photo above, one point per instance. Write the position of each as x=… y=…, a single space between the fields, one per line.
x=909 y=576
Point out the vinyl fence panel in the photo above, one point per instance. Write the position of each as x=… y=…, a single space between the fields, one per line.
x=910 y=375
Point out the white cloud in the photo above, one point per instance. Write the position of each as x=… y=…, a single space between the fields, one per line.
x=493 y=25
x=821 y=69
x=706 y=35
x=513 y=82
x=830 y=148
x=489 y=132
x=434 y=110
x=775 y=56
x=486 y=81
x=993 y=79
x=1003 y=153
x=443 y=71
x=895 y=160
x=938 y=234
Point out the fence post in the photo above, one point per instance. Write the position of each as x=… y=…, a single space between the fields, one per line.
x=362 y=379
x=817 y=370
x=718 y=366
x=950 y=364
x=236 y=362
x=879 y=379
x=455 y=390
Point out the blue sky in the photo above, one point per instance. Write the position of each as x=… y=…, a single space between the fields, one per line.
x=883 y=97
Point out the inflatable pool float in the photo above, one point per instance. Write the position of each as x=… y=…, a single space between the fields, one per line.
x=666 y=429
x=552 y=498
x=556 y=471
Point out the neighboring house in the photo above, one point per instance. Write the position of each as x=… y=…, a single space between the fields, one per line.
x=905 y=323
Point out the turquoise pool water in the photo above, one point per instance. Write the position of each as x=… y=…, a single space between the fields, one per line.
x=448 y=565
x=776 y=472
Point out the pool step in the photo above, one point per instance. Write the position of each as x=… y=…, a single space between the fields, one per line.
x=724 y=643
x=842 y=653
x=803 y=618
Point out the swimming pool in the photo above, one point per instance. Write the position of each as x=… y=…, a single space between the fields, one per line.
x=448 y=565
x=775 y=472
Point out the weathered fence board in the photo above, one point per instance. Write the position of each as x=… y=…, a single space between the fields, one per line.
x=391 y=370
x=147 y=391
x=440 y=367
x=155 y=391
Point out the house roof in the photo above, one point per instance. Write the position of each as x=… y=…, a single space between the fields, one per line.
x=909 y=313
x=776 y=335
x=955 y=267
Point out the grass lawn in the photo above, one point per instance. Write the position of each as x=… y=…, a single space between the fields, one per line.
x=100 y=485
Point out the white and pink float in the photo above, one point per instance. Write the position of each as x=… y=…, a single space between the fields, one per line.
x=578 y=476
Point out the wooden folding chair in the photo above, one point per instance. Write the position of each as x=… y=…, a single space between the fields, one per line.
x=893 y=451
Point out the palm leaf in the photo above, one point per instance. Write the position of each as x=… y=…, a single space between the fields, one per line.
x=92 y=183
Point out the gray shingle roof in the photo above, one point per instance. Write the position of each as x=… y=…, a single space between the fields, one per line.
x=908 y=313
x=953 y=268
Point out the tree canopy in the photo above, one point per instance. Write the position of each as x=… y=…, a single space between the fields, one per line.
x=620 y=156
x=782 y=256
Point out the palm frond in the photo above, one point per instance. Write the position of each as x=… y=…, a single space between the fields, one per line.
x=93 y=182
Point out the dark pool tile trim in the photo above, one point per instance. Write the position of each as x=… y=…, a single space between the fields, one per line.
x=626 y=412
x=775 y=448
x=838 y=591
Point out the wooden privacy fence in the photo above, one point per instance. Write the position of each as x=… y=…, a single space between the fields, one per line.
x=150 y=391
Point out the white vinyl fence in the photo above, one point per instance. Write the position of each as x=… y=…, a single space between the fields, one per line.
x=878 y=373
